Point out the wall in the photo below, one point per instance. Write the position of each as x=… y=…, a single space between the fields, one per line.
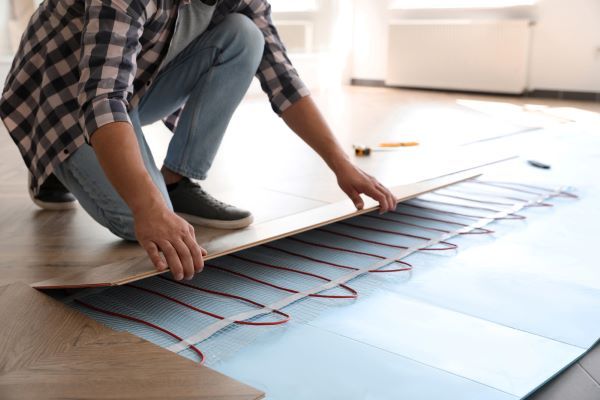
x=369 y=55
x=4 y=42
x=565 y=42
x=566 y=46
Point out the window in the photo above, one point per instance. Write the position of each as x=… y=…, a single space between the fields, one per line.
x=293 y=5
x=438 y=4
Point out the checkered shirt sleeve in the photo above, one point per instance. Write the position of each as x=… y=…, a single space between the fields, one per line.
x=277 y=76
x=110 y=44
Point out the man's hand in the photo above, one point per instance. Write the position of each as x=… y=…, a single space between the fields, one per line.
x=304 y=118
x=353 y=181
x=162 y=231
x=157 y=228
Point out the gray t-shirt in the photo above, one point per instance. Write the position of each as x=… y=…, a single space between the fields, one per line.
x=193 y=19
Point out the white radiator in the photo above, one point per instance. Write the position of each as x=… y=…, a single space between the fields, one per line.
x=297 y=35
x=488 y=56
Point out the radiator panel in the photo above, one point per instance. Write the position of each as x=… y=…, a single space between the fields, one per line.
x=487 y=56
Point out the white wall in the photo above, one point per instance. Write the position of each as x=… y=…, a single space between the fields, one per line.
x=4 y=14
x=369 y=53
x=565 y=42
x=566 y=46
x=4 y=42
x=328 y=63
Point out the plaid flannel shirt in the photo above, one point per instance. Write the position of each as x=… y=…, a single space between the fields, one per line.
x=85 y=63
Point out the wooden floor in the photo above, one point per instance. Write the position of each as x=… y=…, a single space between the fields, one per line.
x=264 y=168
x=50 y=351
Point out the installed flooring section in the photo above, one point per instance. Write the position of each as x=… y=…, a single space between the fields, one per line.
x=52 y=352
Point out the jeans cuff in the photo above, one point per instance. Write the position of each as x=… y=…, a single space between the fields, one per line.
x=188 y=173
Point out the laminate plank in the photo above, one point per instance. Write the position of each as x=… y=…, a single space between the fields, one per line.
x=138 y=268
x=52 y=352
x=120 y=369
x=34 y=326
x=573 y=383
x=36 y=245
x=591 y=362
x=394 y=168
x=275 y=181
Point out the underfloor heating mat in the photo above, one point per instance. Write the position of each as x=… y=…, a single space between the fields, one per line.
x=349 y=266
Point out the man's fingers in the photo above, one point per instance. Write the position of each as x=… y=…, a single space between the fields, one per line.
x=196 y=251
x=185 y=256
x=393 y=201
x=203 y=252
x=154 y=255
x=375 y=193
x=172 y=259
x=356 y=199
x=389 y=195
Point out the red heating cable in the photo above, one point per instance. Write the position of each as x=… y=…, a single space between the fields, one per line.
x=408 y=268
x=233 y=296
x=507 y=185
x=384 y=244
x=481 y=232
x=323 y=278
x=498 y=196
x=354 y=252
x=141 y=321
x=496 y=203
x=451 y=246
x=513 y=216
x=453 y=212
x=253 y=279
x=210 y=314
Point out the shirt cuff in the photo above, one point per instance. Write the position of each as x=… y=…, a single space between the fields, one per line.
x=101 y=111
x=289 y=93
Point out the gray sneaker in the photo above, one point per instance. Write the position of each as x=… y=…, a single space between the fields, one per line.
x=52 y=195
x=197 y=207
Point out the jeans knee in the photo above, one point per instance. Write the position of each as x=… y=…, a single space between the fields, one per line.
x=125 y=229
x=247 y=37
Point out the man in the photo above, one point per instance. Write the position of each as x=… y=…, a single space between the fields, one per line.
x=90 y=73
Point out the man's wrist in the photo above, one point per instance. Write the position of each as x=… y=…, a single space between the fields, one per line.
x=338 y=161
x=147 y=202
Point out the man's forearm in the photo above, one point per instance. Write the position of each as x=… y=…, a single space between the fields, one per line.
x=305 y=119
x=118 y=152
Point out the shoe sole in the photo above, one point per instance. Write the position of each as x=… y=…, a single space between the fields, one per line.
x=54 y=206
x=216 y=223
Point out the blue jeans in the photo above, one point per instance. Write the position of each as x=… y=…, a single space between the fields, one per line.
x=210 y=76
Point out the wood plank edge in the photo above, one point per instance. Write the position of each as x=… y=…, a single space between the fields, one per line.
x=340 y=211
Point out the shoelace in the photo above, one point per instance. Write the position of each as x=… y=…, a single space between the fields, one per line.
x=210 y=199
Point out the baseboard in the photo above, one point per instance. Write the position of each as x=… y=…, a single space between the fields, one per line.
x=536 y=93
x=564 y=95
x=367 y=82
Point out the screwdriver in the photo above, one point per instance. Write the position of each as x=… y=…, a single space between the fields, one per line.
x=361 y=150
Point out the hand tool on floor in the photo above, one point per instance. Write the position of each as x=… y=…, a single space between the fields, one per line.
x=538 y=164
x=362 y=150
